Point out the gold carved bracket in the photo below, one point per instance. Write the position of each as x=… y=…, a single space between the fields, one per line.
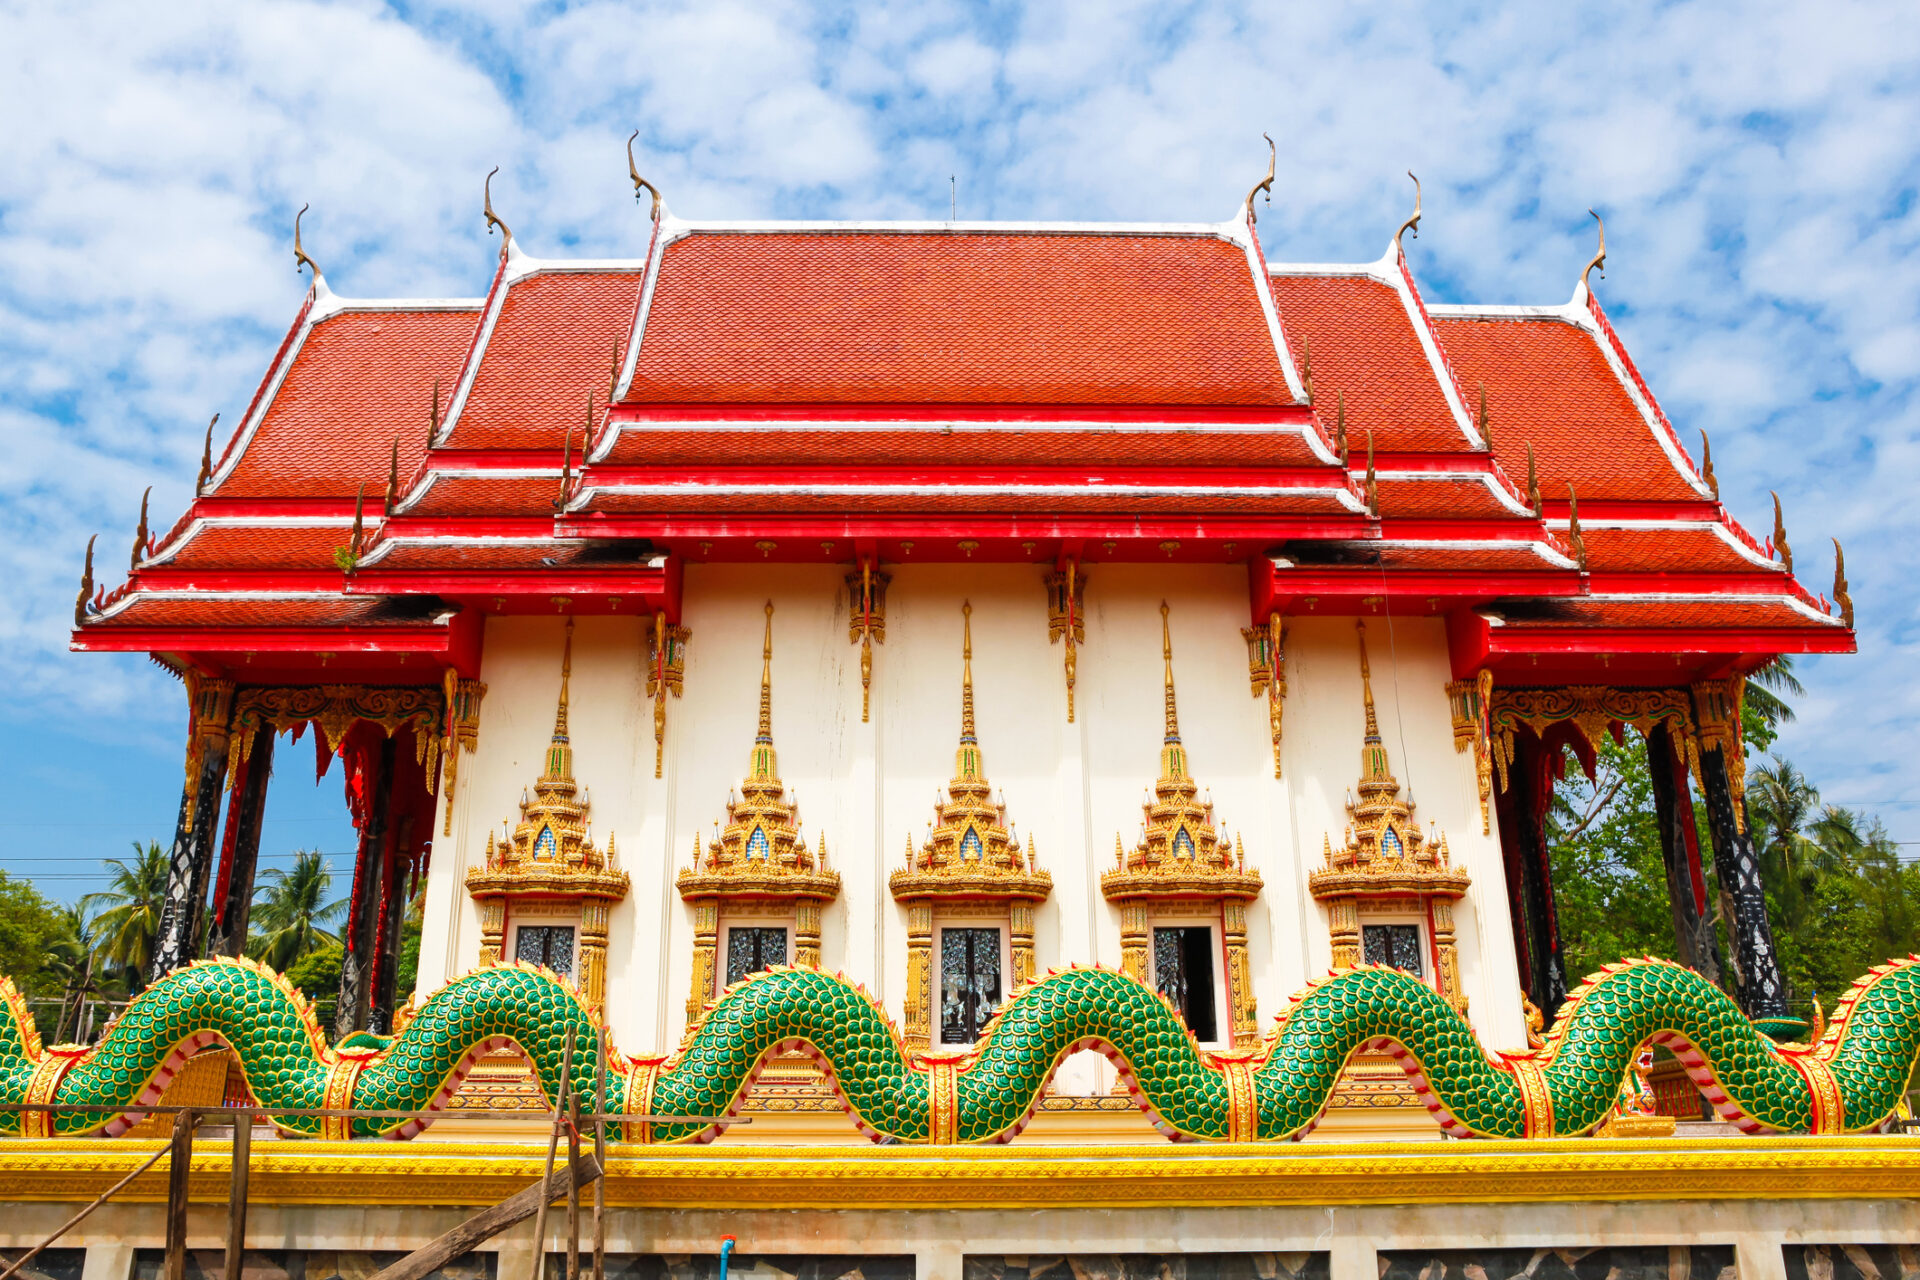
x=867 y=623
x=462 y=699
x=1267 y=672
x=1067 y=618
x=1718 y=706
x=1471 y=701
x=333 y=710
x=666 y=665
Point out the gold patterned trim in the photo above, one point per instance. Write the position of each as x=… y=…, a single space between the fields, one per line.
x=639 y=1101
x=342 y=1076
x=1531 y=1077
x=45 y=1082
x=1829 y=1110
x=1592 y=710
x=1243 y=1103
x=944 y=1089
x=333 y=709
x=736 y=1176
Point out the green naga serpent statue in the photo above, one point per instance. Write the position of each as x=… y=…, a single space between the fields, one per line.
x=1849 y=1080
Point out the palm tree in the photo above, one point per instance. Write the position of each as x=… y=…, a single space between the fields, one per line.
x=1765 y=690
x=126 y=915
x=292 y=914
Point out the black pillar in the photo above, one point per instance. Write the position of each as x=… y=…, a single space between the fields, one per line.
x=393 y=914
x=369 y=875
x=233 y=898
x=1758 y=985
x=1523 y=837
x=177 y=939
x=1693 y=938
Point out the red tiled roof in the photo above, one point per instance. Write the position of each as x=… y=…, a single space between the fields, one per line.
x=486 y=495
x=1442 y=496
x=1364 y=346
x=961 y=447
x=361 y=380
x=230 y=546
x=532 y=555
x=805 y=317
x=1548 y=383
x=551 y=346
x=1668 y=550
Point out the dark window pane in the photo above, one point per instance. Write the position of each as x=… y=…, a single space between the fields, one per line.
x=969 y=982
x=749 y=950
x=546 y=944
x=1183 y=973
x=1394 y=944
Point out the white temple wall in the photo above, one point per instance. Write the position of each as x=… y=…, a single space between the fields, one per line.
x=870 y=788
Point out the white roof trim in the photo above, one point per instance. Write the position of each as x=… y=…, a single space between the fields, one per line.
x=1009 y=426
x=1715 y=527
x=1680 y=597
x=130 y=597
x=200 y=524
x=1342 y=496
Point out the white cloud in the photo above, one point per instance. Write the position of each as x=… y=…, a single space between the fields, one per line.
x=1754 y=162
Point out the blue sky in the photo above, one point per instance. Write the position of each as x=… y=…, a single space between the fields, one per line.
x=1756 y=164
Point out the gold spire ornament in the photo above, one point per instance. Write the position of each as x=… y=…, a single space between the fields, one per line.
x=547 y=868
x=1706 y=464
x=433 y=417
x=393 y=478
x=1373 y=481
x=86 y=587
x=1066 y=618
x=1485 y=424
x=1265 y=184
x=1340 y=428
x=1599 y=260
x=1533 y=485
x=140 y=533
x=206 y=459
x=759 y=859
x=1181 y=861
x=1386 y=868
x=639 y=183
x=1412 y=224
x=970 y=856
x=493 y=219
x=300 y=258
x=1574 y=535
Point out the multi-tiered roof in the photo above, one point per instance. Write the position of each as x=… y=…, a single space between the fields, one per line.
x=861 y=392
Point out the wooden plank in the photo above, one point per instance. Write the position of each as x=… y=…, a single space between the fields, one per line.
x=600 y=1156
x=237 y=1195
x=573 y=1205
x=553 y=1147
x=179 y=1165
x=490 y=1222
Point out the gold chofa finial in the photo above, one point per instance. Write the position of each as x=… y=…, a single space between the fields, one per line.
x=493 y=219
x=1373 y=751
x=1706 y=464
x=1840 y=596
x=639 y=182
x=1599 y=262
x=1166 y=655
x=86 y=587
x=206 y=458
x=1265 y=184
x=560 y=749
x=1780 y=537
x=1485 y=423
x=433 y=416
x=393 y=480
x=966 y=673
x=1574 y=535
x=766 y=682
x=140 y=532
x=1340 y=430
x=1533 y=483
x=1411 y=224
x=300 y=258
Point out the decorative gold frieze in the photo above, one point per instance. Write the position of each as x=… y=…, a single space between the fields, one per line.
x=547 y=867
x=1182 y=861
x=333 y=709
x=1387 y=866
x=1718 y=707
x=462 y=732
x=970 y=856
x=666 y=669
x=1067 y=618
x=759 y=858
x=1471 y=701
x=212 y=727
x=1591 y=709
x=1267 y=672
x=867 y=623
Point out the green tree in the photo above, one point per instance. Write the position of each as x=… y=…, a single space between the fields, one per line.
x=28 y=923
x=126 y=914
x=293 y=914
x=1610 y=887
x=318 y=973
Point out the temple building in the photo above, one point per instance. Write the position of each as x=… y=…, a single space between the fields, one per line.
x=943 y=605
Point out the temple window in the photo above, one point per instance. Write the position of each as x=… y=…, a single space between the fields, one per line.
x=1183 y=972
x=1389 y=889
x=753 y=948
x=970 y=869
x=1180 y=883
x=758 y=890
x=548 y=945
x=970 y=981
x=1392 y=944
